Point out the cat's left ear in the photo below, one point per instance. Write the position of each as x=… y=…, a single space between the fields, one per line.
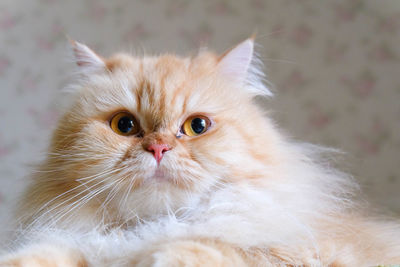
x=86 y=59
x=240 y=64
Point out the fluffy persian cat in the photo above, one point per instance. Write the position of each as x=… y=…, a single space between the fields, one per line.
x=168 y=161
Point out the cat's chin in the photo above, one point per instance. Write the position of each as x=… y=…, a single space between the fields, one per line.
x=158 y=197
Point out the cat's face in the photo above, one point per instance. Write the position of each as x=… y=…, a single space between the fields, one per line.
x=152 y=134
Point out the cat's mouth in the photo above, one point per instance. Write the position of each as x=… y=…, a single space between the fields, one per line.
x=160 y=174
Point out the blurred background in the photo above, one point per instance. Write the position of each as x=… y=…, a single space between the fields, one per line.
x=334 y=66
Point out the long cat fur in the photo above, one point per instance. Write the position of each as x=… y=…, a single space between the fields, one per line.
x=242 y=194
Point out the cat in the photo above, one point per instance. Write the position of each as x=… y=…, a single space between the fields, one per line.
x=169 y=161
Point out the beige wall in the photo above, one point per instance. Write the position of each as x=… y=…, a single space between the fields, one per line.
x=334 y=66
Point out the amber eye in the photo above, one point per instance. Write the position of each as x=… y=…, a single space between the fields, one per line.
x=124 y=123
x=196 y=125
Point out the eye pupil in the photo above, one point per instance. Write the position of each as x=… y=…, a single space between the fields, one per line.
x=198 y=125
x=125 y=124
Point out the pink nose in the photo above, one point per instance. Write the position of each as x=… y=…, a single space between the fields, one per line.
x=158 y=151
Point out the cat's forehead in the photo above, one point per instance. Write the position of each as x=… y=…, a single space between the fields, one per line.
x=166 y=69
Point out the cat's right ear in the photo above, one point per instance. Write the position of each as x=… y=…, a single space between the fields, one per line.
x=241 y=65
x=86 y=59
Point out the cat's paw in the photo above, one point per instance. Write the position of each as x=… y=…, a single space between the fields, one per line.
x=189 y=254
x=44 y=256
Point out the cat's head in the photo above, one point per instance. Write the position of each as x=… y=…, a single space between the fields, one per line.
x=155 y=133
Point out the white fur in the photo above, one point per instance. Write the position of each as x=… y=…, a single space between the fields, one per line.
x=280 y=215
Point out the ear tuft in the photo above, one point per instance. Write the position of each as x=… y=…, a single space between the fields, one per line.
x=241 y=65
x=85 y=58
x=236 y=61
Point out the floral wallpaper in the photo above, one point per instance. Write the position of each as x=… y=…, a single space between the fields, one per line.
x=333 y=65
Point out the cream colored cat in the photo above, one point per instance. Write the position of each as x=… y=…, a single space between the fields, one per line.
x=167 y=161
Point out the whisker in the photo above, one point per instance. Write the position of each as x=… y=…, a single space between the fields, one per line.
x=80 y=202
x=94 y=177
